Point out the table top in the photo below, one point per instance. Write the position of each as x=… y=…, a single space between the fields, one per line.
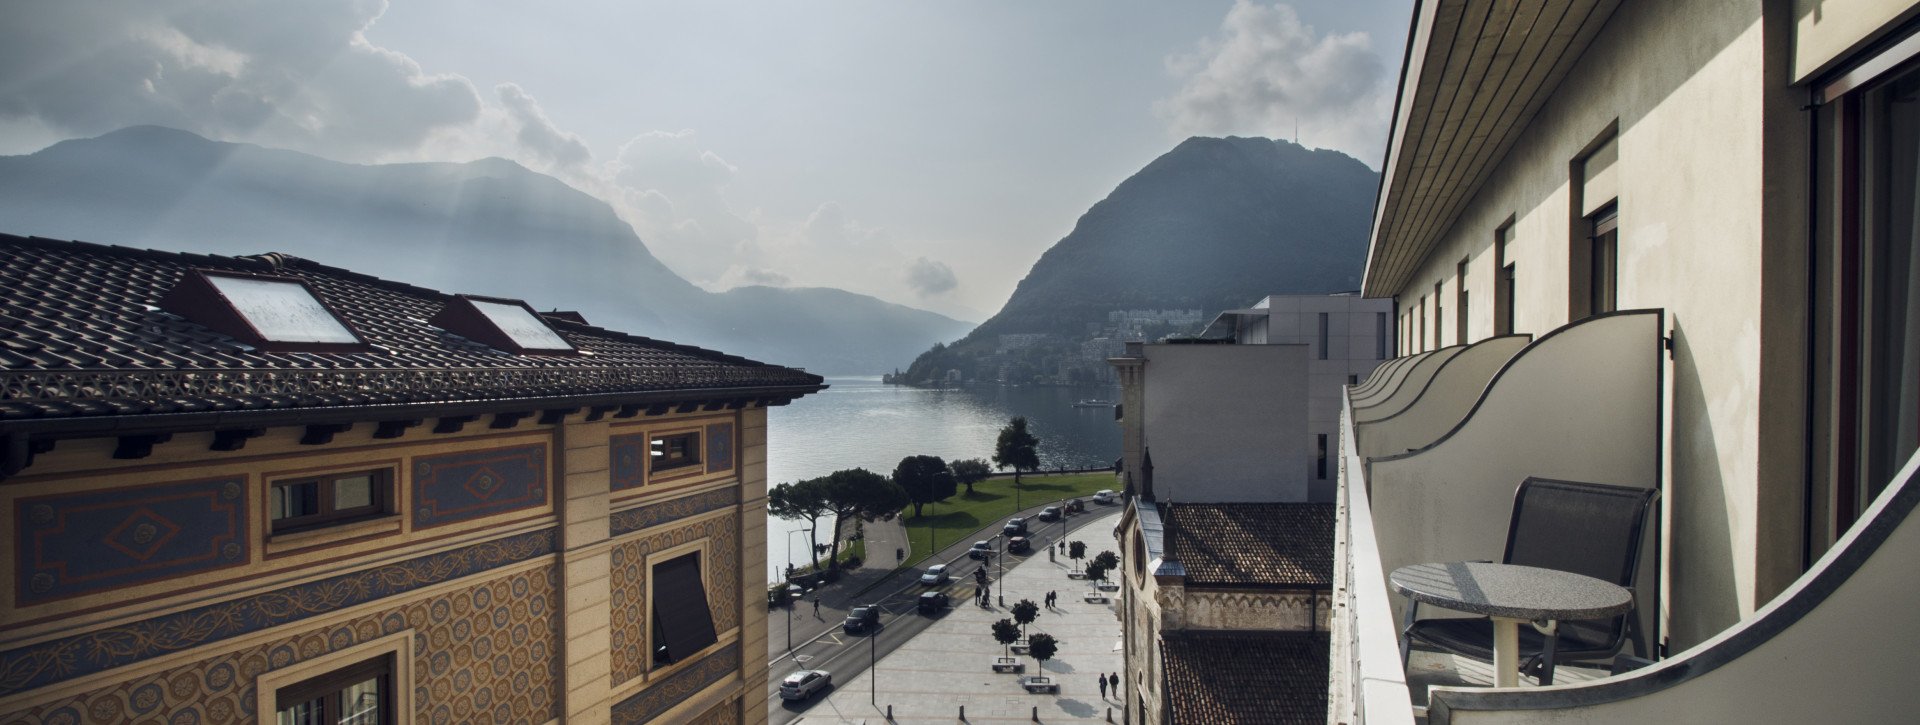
x=1513 y=591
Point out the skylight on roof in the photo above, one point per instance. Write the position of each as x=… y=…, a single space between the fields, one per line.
x=503 y=324
x=275 y=314
x=519 y=324
x=282 y=310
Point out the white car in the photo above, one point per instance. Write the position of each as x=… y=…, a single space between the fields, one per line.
x=801 y=685
x=936 y=574
x=1104 y=495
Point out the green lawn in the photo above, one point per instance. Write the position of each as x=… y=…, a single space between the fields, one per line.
x=990 y=504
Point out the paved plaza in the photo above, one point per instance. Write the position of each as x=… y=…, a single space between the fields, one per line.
x=929 y=678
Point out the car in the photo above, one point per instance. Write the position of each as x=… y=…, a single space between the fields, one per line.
x=1016 y=526
x=980 y=550
x=1103 y=496
x=862 y=619
x=1019 y=545
x=933 y=602
x=1076 y=506
x=803 y=684
x=1050 y=513
x=936 y=575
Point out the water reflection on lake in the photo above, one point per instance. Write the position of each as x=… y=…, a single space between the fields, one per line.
x=860 y=422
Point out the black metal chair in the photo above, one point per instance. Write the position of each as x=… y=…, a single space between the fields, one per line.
x=1584 y=528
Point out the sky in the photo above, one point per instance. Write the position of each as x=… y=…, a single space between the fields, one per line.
x=925 y=153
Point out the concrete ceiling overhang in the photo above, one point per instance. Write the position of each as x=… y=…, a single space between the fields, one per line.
x=1475 y=73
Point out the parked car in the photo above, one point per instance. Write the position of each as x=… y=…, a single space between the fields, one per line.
x=936 y=575
x=1019 y=545
x=803 y=684
x=980 y=550
x=933 y=602
x=1103 y=496
x=862 y=619
x=1016 y=526
x=1050 y=513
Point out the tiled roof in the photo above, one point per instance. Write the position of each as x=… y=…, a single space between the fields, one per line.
x=1252 y=544
x=81 y=334
x=1272 y=678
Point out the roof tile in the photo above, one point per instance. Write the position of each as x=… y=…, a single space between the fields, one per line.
x=1252 y=544
x=1231 y=677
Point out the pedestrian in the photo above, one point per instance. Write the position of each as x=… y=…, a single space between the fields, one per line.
x=899 y=554
x=816 y=605
x=1113 y=680
x=1103 y=687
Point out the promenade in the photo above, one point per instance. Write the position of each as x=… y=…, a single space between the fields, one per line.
x=947 y=665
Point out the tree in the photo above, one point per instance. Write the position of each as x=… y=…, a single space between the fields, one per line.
x=1097 y=571
x=1017 y=449
x=804 y=500
x=857 y=493
x=1107 y=559
x=1024 y=612
x=925 y=479
x=1006 y=633
x=1076 y=551
x=1043 y=647
x=970 y=471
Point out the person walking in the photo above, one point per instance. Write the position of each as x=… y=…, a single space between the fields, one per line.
x=1113 y=681
x=1103 y=687
x=816 y=605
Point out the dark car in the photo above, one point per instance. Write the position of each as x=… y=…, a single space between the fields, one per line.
x=1016 y=526
x=980 y=550
x=933 y=602
x=862 y=619
x=1076 y=506
x=1050 y=513
x=1019 y=545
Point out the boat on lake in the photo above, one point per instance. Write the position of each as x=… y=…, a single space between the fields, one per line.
x=1092 y=403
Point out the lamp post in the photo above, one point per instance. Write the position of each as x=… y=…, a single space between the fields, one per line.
x=1002 y=560
x=873 y=668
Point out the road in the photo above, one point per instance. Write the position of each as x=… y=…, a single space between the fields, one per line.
x=847 y=655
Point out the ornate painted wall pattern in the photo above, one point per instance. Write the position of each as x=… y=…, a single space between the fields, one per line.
x=487 y=653
x=459 y=487
x=630 y=607
x=628 y=467
x=682 y=685
x=719 y=447
x=651 y=515
x=83 y=654
x=70 y=544
x=726 y=713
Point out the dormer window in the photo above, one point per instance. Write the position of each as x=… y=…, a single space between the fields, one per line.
x=275 y=314
x=501 y=323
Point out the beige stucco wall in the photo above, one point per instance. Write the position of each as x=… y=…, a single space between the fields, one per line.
x=1706 y=138
x=1827 y=31
x=1228 y=422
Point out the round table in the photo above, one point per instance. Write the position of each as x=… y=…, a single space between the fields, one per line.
x=1510 y=594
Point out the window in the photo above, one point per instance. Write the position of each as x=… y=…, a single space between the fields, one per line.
x=682 y=623
x=1380 y=335
x=674 y=451
x=1439 y=314
x=1460 y=303
x=307 y=503
x=502 y=324
x=1323 y=336
x=359 y=694
x=1420 y=324
x=278 y=314
x=1868 y=160
x=1320 y=462
x=1603 y=247
x=1353 y=380
x=1503 y=281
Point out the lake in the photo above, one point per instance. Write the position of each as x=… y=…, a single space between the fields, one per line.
x=861 y=422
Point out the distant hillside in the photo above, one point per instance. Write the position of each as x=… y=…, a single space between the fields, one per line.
x=1214 y=224
x=487 y=227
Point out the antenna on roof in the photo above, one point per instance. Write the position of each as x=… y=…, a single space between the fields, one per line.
x=1296 y=130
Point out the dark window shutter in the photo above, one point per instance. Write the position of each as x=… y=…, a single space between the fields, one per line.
x=680 y=607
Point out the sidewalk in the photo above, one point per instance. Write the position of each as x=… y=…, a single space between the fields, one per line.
x=948 y=666
x=838 y=598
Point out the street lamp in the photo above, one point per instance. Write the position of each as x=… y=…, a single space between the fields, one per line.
x=1002 y=560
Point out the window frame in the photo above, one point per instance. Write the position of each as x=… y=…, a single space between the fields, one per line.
x=702 y=553
x=396 y=648
x=665 y=465
x=381 y=493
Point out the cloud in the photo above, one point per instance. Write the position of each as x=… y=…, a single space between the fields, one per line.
x=538 y=135
x=766 y=277
x=928 y=277
x=1266 y=70
x=299 y=75
x=675 y=193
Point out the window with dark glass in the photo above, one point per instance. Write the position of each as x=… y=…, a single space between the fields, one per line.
x=1460 y=303
x=675 y=451
x=1602 y=266
x=1502 y=281
x=1439 y=313
x=1323 y=335
x=335 y=498
x=1320 y=464
x=682 y=623
x=360 y=694
x=1868 y=160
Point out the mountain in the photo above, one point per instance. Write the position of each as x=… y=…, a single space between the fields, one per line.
x=1214 y=224
x=486 y=227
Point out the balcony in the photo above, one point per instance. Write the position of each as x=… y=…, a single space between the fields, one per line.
x=1431 y=449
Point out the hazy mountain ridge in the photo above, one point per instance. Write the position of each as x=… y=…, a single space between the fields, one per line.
x=1214 y=224
x=486 y=227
